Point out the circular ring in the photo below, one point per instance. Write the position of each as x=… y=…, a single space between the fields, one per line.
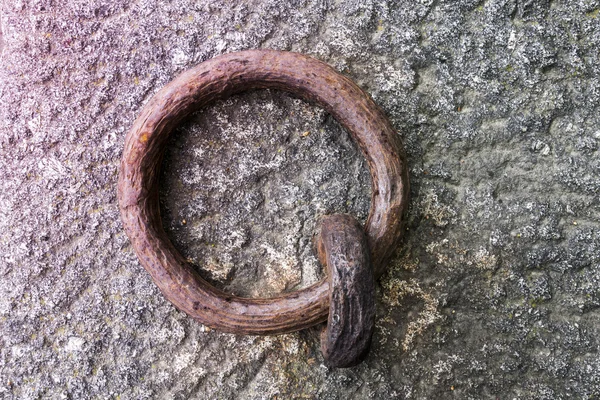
x=218 y=78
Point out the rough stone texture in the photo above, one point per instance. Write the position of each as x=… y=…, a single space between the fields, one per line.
x=495 y=292
x=245 y=182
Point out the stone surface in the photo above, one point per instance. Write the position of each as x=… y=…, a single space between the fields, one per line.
x=495 y=292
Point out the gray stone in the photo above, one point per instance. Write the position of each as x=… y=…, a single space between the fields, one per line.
x=495 y=292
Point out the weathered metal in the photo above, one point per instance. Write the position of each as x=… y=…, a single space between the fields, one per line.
x=218 y=78
x=342 y=247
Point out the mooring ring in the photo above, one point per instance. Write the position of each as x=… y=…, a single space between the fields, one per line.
x=218 y=78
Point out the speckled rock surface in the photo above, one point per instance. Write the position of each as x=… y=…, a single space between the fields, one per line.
x=495 y=292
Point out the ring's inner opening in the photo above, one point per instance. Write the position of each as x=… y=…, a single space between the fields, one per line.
x=244 y=182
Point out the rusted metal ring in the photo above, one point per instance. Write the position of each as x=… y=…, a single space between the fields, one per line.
x=219 y=78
